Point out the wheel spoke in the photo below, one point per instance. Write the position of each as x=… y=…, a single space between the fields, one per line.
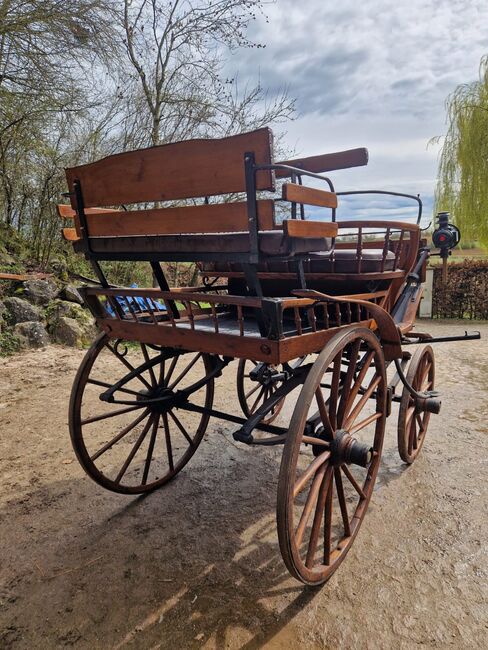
x=359 y=380
x=412 y=436
x=353 y=481
x=346 y=385
x=334 y=390
x=112 y=414
x=328 y=523
x=342 y=501
x=256 y=401
x=418 y=417
x=104 y=384
x=172 y=366
x=134 y=449
x=253 y=390
x=309 y=472
x=351 y=418
x=162 y=365
x=150 y=449
x=119 y=436
x=128 y=365
x=185 y=370
x=169 y=448
x=309 y=504
x=147 y=359
x=323 y=413
x=317 y=520
x=181 y=428
x=364 y=423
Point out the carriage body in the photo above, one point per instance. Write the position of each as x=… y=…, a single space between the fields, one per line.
x=319 y=308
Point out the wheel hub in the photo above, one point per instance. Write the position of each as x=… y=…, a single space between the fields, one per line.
x=161 y=399
x=346 y=449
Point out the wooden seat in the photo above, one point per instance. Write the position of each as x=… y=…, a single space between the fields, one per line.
x=193 y=246
x=193 y=170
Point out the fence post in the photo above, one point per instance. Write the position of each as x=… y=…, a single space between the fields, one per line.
x=425 y=309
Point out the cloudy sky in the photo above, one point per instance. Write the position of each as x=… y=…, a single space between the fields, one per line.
x=372 y=74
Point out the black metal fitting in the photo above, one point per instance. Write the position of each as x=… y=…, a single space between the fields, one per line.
x=428 y=404
x=346 y=449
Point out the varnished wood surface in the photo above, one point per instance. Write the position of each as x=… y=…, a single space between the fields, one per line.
x=308 y=195
x=308 y=229
x=194 y=168
x=327 y=162
x=211 y=218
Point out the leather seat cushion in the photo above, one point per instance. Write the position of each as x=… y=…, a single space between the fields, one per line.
x=342 y=260
x=271 y=242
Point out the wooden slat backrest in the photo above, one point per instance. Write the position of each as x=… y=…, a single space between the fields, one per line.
x=326 y=162
x=194 y=168
x=66 y=212
x=211 y=218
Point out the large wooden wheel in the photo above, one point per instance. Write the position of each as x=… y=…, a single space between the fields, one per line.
x=412 y=420
x=256 y=382
x=136 y=442
x=331 y=456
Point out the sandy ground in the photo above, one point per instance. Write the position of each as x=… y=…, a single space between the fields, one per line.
x=197 y=564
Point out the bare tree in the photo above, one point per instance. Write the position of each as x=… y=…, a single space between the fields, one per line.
x=177 y=50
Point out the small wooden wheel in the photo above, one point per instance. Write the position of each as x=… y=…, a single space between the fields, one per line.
x=332 y=454
x=141 y=439
x=413 y=422
x=255 y=384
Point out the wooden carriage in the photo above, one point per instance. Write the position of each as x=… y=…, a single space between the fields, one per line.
x=313 y=308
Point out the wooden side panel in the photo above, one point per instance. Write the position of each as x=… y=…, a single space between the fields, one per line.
x=327 y=162
x=309 y=195
x=194 y=168
x=217 y=217
x=309 y=229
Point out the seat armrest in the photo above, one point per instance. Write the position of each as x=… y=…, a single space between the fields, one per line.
x=307 y=229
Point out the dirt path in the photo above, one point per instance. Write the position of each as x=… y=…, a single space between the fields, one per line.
x=197 y=564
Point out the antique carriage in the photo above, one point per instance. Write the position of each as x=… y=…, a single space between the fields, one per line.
x=315 y=311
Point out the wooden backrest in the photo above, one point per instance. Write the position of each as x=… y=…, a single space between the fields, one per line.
x=326 y=162
x=183 y=170
x=211 y=218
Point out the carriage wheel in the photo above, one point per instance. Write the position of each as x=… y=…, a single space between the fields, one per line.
x=134 y=445
x=331 y=456
x=413 y=422
x=252 y=393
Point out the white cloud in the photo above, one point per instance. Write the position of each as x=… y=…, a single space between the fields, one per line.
x=373 y=73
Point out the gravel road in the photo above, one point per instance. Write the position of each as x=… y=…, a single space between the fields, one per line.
x=197 y=565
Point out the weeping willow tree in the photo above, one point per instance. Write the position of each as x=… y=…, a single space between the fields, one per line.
x=462 y=187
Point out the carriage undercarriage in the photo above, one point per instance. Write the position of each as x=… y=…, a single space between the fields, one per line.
x=332 y=439
x=320 y=329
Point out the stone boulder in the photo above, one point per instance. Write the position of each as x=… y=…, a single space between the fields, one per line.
x=71 y=294
x=31 y=334
x=20 y=311
x=40 y=292
x=69 y=331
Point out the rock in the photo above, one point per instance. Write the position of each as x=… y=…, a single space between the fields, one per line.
x=31 y=334
x=40 y=292
x=5 y=257
x=70 y=331
x=71 y=294
x=58 y=308
x=20 y=311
